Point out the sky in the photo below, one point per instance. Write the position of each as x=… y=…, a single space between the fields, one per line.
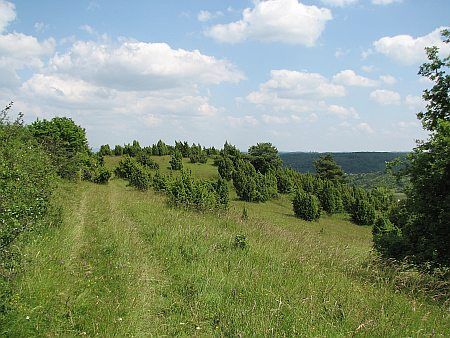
x=305 y=75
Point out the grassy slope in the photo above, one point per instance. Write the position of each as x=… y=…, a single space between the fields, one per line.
x=123 y=263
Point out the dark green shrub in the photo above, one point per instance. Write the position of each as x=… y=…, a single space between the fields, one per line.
x=253 y=186
x=102 y=176
x=284 y=181
x=105 y=150
x=125 y=167
x=221 y=188
x=118 y=150
x=330 y=199
x=65 y=142
x=388 y=239
x=160 y=182
x=140 y=178
x=176 y=162
x=306 y=206
x=363 y=213
x=146 y=160
x=225 y=168
x=240 y=242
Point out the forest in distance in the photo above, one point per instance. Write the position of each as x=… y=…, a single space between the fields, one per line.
x=350 y=162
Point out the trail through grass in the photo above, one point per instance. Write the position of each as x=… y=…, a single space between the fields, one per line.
x=125 y=264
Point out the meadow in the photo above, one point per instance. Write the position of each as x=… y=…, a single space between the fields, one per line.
x=125 y=263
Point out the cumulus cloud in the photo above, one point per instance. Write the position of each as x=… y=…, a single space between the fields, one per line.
x=287 y=21
x=365 y=127
x=388 y=79
x=135 y=65
x=339 y=3
x=385 y=97
x=7 y=14
x=292 y=97
x=204 y=16
x=237 y=121
x=409 y=50
x=349 y=78
x=343 y=112
x=19 y=51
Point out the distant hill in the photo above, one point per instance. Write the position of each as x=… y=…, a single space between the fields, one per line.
x=351 y=163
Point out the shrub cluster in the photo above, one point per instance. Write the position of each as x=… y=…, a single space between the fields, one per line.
x=202 y=195
x=306 y=206
x=67 y=146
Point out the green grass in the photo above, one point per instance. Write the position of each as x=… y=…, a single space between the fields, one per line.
x=125 y=264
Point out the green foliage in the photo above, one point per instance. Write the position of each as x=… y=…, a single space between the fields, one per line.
x=330 y=198
x=125 y=167
x=132 y=149
x=146 y=160
x=425 y=224
x=326 y=168
x=382 y=199
x=201 y=195
x=351 y=163
x=253 y=186
x=27 y=180
x=118 y=150
x=388 y=239
x=225 y=167
x=221 y=187
x=306 y=206
x=264 y=157
x=160 y=182
x=363 y=213
x=240 y=242
x=140 y=178
x=176 y=162
x=105 y=150
x=102 y=175
x=197 y=155
x=285 y=182
x=65 y=142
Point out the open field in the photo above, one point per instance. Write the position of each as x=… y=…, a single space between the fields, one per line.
x=124 y=263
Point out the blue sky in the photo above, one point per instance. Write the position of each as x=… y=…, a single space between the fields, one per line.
x=325 y=75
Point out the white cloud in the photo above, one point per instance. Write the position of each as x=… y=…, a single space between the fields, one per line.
x=365 y=127
x=341 y=52
x=408 y=50
x=40 y=27
x=292 y=85
x=135 y=65
x=292 y=94
x=275 y=119
x=388 y=79
x=385 y=97
x=385 y=2
x=152 y=120
x=246 y=120
x=343 y=112
x=368 y=69
x=287 y=21
x=349 y=78
x=19 y=51
x=339 y=3
x=7 y=14
x=204 y=16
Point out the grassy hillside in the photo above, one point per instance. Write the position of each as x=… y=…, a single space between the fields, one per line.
x=351 y=163
x=124 y=263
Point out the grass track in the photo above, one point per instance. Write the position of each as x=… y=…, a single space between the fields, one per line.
x=124 y=264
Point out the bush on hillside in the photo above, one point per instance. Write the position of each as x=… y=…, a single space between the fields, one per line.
x=146 y=160
x=363 y=213
x=306 y=206
x=176 y=161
